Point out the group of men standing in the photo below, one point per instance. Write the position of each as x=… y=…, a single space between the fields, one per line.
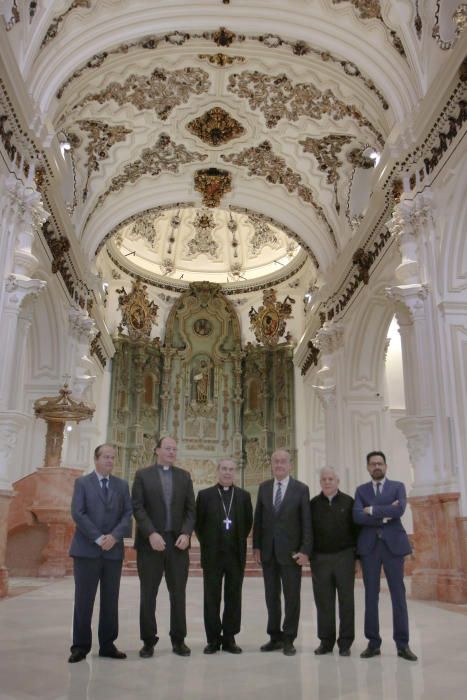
x=289 y=531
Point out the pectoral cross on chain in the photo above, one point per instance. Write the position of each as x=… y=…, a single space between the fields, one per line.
x=227 y=522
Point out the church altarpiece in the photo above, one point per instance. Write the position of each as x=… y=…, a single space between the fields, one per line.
x=200 y=386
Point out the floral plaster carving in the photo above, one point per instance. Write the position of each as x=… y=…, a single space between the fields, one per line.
x=165 y=156
x=203 y=242
x=262 y=161
x=101 y=138
x=145 y=228
x=326 y=151
x=161 y=91
x=278 y=98
x=262 y=236
x=299 y=48
x=371 y=9
x=216 y=127
x=54 y=27
x=459 y=19
x=213 y=184
x=220 y=59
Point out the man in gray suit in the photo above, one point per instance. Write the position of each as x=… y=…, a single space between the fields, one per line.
x=164 y=510
x=101 y=509
x=282 y=545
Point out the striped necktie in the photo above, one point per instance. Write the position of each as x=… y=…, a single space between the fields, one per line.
x=278 y=497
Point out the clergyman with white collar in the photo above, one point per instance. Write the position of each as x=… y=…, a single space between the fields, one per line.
x=224 y=515
x=164 y=510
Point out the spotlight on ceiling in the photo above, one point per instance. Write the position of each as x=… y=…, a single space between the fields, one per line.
x=374 y=155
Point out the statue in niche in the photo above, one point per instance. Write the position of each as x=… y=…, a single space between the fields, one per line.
x=201 y=381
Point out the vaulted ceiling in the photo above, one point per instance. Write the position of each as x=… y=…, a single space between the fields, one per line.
x=269 y=110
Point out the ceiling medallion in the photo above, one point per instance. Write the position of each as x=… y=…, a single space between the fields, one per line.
x=269 y=321
x=216 y=127
x=213 y=184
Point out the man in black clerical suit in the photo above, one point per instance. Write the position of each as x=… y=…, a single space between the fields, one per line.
x=224 y=516
x=333 y=563
x=101 y=509
x=282 y=545
x=164 y=510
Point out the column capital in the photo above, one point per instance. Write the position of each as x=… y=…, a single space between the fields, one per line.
x=81 y=324
x=330 y=338
x=19 y=288
x=409 y=301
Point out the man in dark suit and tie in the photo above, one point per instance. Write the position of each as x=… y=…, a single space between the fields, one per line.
x=224 y=516
x=282 y=545
x=378 y=508
x=101 y=509
x=164 y=510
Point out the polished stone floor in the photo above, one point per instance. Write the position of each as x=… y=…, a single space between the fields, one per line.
x=35 y=637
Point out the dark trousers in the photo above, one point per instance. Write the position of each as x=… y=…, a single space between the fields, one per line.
x=173 y=563
x=88 y=574
x=334 y=573
x=393 y=566
x=228 y=570
x=288 y=578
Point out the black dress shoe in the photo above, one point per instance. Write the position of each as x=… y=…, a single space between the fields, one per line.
x=75 y=656
x=113 y=654
x=273 y=645
x=407 y=654
x=288 y=648
x=323 y=649
x=344 y=652
x=181 y=649
x=146 y=651
x=369 y=653
x=211 y=648
x=231 y=646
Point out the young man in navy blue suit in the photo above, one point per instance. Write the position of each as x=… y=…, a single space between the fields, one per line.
x=378 y=508
x=101 y=509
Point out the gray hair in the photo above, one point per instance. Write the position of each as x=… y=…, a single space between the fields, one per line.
x=328 y=469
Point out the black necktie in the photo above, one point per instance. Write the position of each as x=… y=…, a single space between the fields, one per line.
x=105 y=487
x=378 y=489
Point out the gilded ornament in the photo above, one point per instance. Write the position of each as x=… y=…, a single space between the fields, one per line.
x=213 y=184
x=221 y=59
x=138 y=313
x=216 y=127
x=269 y=321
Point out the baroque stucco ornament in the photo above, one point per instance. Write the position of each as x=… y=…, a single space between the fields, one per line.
x=138 y=313
x=213 y=184
x=216 y=127
x=269 y=321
